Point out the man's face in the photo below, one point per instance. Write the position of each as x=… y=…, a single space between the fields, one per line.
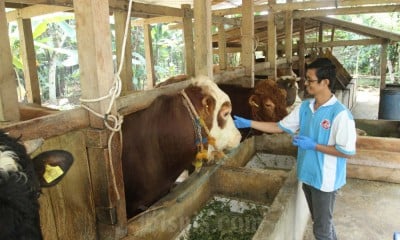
x=312 y=85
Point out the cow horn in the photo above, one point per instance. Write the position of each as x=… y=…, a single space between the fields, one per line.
x=33 y=145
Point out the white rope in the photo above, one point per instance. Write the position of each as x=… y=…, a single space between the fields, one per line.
x=113 y=94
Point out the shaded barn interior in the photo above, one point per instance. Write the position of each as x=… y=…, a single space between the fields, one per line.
x=89 y=203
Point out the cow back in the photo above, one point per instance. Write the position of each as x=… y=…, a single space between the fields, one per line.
x=158 y=144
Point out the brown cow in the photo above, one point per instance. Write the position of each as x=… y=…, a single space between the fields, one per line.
x=265 y=102
x=162 y=140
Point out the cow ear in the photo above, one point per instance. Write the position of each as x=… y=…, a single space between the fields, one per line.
x=207 y=104
x=253 y=101
x=51 y=166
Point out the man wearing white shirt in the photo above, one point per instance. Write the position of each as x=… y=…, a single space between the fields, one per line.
x=325 y=135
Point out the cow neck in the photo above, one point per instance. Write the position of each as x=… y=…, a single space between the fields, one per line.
x=198 y=124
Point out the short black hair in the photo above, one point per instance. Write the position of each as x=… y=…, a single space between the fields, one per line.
x=325 y=70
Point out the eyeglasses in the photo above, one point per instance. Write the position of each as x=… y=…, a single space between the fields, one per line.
x=310 y=80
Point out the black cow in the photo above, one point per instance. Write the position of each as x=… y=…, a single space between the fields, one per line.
x=20 y=180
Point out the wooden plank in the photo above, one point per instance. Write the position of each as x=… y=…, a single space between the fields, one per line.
x=28 y=56
x=247 y=40
x=202 y=38
x=35 y=10
x=140 y=100
x=71 y=200
x=188 y=39
x=49 y=126
x=379 y=143
x=8 y=89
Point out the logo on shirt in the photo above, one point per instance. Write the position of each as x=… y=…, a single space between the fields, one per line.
x=325 y=124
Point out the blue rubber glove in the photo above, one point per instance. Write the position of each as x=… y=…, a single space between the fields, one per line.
x=304 y=142
x=241 y=122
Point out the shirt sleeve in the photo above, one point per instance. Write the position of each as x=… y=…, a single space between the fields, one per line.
x=291 y=122
x=345 y=133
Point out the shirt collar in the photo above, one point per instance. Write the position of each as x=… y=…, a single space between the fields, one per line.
x=331 y=101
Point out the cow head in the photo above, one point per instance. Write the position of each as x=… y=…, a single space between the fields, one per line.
x=216 y=111
x=20 y=180
x=268 y=102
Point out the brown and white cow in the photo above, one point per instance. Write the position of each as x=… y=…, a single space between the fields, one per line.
x=161 y=141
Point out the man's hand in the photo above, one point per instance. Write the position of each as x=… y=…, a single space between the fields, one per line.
x=241 y=122
x=304 y=142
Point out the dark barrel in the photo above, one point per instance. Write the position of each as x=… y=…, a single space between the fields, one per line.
x=389 y=103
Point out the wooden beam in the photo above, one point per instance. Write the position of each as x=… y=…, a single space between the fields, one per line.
x=35 y=10
x=247 y=54
x=360 y=29
x=155 y=20
x=202 y=38
x=294 y=6
x=188 y=39
x=148 y=49
x=126 y=71
x=28 y=56
x=9 y=110
x=343 y=43
x=345 y=11
x=52 y=125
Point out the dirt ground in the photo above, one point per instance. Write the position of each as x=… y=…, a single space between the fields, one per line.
x=367 y=210
x=367 y=103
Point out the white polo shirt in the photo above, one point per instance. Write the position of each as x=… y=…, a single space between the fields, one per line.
x=332 y=124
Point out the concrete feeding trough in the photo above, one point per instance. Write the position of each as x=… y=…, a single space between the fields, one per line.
x=273 y=189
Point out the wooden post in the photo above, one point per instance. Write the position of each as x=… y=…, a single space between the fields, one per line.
x=321 y=36
x=383 y=64
x=97 y=74
x=272 y=43
x=222 y=46
x=148 y=48
x=247 y=54
x=28 y=56
x=8 y=88
x=302 y=61
x=188 y=38
x=289 y=40
x=202 y=38
x=126 y=72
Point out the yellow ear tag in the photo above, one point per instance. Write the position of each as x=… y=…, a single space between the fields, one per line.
x=197 y=165
x=51 y=173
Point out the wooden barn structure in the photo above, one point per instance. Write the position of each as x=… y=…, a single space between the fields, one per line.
x=89 y=203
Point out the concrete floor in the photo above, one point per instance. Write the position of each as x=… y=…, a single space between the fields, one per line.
x=367 y=210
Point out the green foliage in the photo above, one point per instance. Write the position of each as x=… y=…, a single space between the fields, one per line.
x=217 y=221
